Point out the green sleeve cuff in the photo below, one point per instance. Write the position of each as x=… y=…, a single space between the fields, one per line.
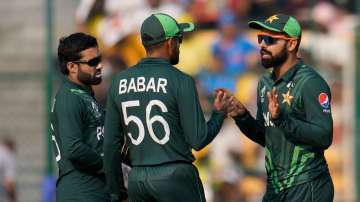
x=218 y=114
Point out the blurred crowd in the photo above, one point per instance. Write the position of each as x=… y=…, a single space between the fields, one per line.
x=223 y=52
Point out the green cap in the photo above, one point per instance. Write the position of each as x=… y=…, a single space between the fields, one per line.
x=279 y=23
x=160 y=27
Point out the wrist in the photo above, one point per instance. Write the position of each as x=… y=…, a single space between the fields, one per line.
x=241 y=117
x=218 y=113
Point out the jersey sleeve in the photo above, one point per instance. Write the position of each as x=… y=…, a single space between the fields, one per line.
x=113 y=140
x=316 y=128
x=253 y=128
x=197 y=131
x=70 y=115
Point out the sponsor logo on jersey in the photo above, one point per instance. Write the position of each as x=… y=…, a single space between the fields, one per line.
x=324 y=100
x=267 y=120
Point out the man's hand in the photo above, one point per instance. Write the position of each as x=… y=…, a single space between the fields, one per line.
x=237 y=108
x=222 y=100
x=233 y=106
x=273 y=106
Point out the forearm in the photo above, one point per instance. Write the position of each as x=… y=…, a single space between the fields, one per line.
x=81 y=155
x=213 y=127
x=251 y=128
x=84 y=158
x=306 y=132
x=197 y=131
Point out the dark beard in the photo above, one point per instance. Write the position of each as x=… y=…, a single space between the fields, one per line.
x=88 y=79
x=274 y=61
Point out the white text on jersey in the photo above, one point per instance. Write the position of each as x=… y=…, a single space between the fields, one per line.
x=141 y=84
x=267 y=120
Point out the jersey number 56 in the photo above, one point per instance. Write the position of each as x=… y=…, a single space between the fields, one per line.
x=149 y=121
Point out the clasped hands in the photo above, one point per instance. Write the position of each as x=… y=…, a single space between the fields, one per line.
x=226 y=102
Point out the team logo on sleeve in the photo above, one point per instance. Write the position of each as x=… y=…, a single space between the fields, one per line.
x=324 y=100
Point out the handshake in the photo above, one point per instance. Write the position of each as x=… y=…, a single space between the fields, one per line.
x=228 y=104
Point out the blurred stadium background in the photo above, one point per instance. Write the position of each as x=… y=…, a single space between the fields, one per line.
x=221 y=53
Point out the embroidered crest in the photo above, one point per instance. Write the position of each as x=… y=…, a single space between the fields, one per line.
x=271 y=19
x=287 y=98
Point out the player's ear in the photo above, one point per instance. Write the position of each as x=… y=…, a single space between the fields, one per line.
x=292 y=44
x=72 y=67
x=168 y=46
x=169 y=43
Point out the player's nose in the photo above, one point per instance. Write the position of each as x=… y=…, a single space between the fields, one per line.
x=99 y=66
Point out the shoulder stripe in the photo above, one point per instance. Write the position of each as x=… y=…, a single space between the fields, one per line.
x=77 y=91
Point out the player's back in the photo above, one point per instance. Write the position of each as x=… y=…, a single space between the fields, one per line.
x=147 y=98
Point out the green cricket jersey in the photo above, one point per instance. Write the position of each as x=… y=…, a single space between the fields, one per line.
x=154 y=108
x=295 y=142
x=77 y=129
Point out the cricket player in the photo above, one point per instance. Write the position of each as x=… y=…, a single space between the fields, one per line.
x=154 y=109
x=293 y=120
x=77 y=123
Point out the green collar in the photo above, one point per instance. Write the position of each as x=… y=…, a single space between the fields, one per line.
x=153 y=60
x=289 y=75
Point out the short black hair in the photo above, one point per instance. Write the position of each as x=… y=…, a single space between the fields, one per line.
x=151 y=48
x=70 y=47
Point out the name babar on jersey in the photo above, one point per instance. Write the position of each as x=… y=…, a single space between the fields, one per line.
x=142 y=84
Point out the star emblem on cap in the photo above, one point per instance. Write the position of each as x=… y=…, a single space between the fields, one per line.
x=287 y=98
x=272 y=18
